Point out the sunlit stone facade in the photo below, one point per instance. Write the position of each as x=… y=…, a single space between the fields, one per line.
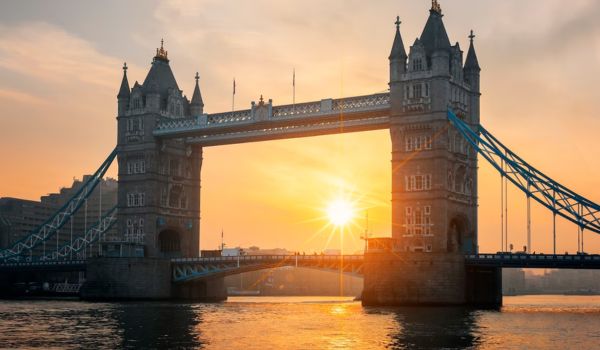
x=434 y=171
x=159 y=180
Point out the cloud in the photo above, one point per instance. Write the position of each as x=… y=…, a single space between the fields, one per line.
x=55 y=86
x=21 y=97
x=48 y=53
x=260 y=43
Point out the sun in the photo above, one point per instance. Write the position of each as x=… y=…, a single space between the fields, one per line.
x=340 y=212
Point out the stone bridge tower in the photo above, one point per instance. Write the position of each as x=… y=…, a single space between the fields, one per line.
x=434 y=172
x=159 y=180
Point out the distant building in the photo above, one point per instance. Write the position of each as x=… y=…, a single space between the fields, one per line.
x=520 y=281
x=20 y=217
x=274 y=251
x=232 y=252
x=513 y=281
x=293 y=281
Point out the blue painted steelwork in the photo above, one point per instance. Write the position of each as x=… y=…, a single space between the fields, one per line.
x=67 y=265
x=190 y=269
x=60 y=217
x=92 y=235
x=546 y=261
x=535 y=184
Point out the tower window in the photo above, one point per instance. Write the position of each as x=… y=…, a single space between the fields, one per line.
x=175 y=167
x=135 y=125
x=418 y=182
x=418 y=221
x=418 y=143
x=137 y=103
x=428 y=142
x=136 y=199
x=136 y=166
x=409 y=220
x=417 y=64
x=417 y=91
x=427 y=182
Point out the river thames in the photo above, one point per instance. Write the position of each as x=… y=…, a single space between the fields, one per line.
x=549 y=322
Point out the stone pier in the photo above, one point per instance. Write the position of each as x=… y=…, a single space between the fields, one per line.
x=144 y=279
x=421 y=279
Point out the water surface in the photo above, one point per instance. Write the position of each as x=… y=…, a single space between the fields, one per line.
x=525 y=322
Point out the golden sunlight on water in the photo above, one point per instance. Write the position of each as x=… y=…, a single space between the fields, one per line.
x=525 y=322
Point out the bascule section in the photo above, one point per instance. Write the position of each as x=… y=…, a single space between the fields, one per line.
x=159 y=180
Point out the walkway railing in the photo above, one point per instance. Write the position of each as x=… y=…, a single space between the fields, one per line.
x=299 y=111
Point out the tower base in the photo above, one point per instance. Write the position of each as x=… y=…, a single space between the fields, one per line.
x=144 y=279
x=421 y=279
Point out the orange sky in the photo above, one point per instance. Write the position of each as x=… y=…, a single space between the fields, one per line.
x=59 y=76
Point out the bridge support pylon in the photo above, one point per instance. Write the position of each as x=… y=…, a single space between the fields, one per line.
x=144 y=279
x=421 y=279
x=434 y=177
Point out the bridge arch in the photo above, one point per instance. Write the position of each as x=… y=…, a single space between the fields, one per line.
x=188 y=270
x=169 y=242
x=460 y=237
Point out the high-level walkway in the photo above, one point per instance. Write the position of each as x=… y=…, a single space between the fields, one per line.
x=267 y=122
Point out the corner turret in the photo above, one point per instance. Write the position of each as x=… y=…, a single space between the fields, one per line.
x=197 y=105
x=398 y=55
x=472 y=69
x=124 y=93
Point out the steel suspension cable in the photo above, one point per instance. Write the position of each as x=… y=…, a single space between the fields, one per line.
x=555 y=197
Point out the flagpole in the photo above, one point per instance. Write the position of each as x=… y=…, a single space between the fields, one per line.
x=294 y=90
x=222 y=241
x=233 y=99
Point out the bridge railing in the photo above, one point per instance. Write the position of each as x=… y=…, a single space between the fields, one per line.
x=259 y=258
x=284 y=112
x=570 y=257
x=43 y=263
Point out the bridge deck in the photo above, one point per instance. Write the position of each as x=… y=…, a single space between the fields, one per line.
x=546 y=261
x=351 y=263
x=259 y=258
x=187 y=269
x=61 y=265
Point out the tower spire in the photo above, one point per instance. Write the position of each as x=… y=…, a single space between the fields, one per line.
x=161 y=54
x=124 y=91
x=197 y=105
x=398 y=51
x=471 y=63
x=435 y=7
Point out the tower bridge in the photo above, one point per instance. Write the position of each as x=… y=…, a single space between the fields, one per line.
x=432 y=110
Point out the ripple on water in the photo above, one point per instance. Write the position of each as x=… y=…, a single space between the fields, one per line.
x=300 y=323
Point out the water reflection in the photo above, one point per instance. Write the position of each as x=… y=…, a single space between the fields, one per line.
x=158 y=325
x=547 y=322
x=435 y=328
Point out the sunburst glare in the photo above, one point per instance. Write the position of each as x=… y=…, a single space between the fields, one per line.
x=340 y=212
